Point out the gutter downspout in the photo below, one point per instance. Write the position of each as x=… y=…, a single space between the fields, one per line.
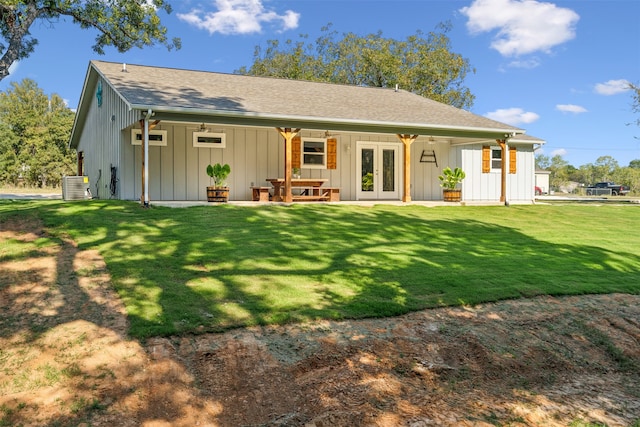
x=507 y=167
x=146 y=158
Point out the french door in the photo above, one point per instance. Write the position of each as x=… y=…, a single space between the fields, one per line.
x=378 y=166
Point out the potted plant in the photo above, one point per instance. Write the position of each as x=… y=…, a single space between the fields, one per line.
x=449 y=181
x=219 y=192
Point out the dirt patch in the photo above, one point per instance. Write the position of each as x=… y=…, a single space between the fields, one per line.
x=65 y=360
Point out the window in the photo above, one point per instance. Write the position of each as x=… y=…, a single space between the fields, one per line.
x=209 y=140
x=156 y=137
x=492 y=159
x=314 y=153
x=496 y=158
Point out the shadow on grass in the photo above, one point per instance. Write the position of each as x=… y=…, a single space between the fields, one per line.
x=41 y=290
x=213 y=268
x=62 y=336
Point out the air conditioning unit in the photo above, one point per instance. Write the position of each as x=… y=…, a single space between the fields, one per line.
x=75 y=188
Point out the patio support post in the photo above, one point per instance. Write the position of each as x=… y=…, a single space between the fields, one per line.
x=407 y=140
x=503 y=173
x=288 y=136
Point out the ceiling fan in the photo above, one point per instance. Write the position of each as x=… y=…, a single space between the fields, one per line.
x=328 y=134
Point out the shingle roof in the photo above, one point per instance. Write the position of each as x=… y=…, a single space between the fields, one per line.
x=290 y=103
x=526 y=138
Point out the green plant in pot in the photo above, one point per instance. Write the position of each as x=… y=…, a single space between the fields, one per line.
x=219 y=192
x=449 y=181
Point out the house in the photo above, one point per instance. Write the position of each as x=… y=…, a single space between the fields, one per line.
x=148 y=133
x=542 y=181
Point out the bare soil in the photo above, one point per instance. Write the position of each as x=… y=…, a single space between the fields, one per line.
x=66 y=360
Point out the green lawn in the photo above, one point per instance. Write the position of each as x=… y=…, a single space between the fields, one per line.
x=216 y=267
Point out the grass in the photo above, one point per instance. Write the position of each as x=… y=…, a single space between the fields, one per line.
x=217 y=267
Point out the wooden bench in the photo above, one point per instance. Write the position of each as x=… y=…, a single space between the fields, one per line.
x=334 y=194
x=310 y=198
x=261 y=194
x=318 y=194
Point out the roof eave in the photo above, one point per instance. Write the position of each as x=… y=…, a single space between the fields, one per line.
x=324 y=123
x=80 y=116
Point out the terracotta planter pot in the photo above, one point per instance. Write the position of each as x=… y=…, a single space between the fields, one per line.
x=452 y=195
x=218 y=194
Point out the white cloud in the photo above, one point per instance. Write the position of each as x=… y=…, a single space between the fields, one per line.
x=239 y=17
x=612 y=87
x=523 y=26
x=513 y=116
x=570 y=108
x=559 y=152
x=529 y=63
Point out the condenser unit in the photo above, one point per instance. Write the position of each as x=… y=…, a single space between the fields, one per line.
x=75 y=188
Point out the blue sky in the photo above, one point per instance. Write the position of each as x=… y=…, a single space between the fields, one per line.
x=555 y=68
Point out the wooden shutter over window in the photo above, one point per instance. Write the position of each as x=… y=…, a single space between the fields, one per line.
x=486 y=159
x=296 y=144
x=332 y=153
x=512 y=159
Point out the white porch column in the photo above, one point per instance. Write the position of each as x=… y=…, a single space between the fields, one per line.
x=145 y=161
x=146 y=127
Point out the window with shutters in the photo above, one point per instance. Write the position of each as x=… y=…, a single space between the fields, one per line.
x=492 y=159
x=314 y=153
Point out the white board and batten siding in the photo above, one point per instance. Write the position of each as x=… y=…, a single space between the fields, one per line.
x=100 y=140
x=425 y=184
x=177 y=170
x=479 y=186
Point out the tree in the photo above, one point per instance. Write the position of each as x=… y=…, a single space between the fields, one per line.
x=634 y=164
x=423 y=64
x=605 y=167
x=542 y=162
x=123 y=24
x=8 y=158
x=559 y=169
x=635 y=94
x=35 y=131
x=586 y=174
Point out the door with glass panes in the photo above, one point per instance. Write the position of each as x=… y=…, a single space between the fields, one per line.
x=378 y=166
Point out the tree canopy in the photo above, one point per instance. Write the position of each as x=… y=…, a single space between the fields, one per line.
x=605 y=168
x=123 y=24
x=34 y=131
x=423 y=63
x=635 y=106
